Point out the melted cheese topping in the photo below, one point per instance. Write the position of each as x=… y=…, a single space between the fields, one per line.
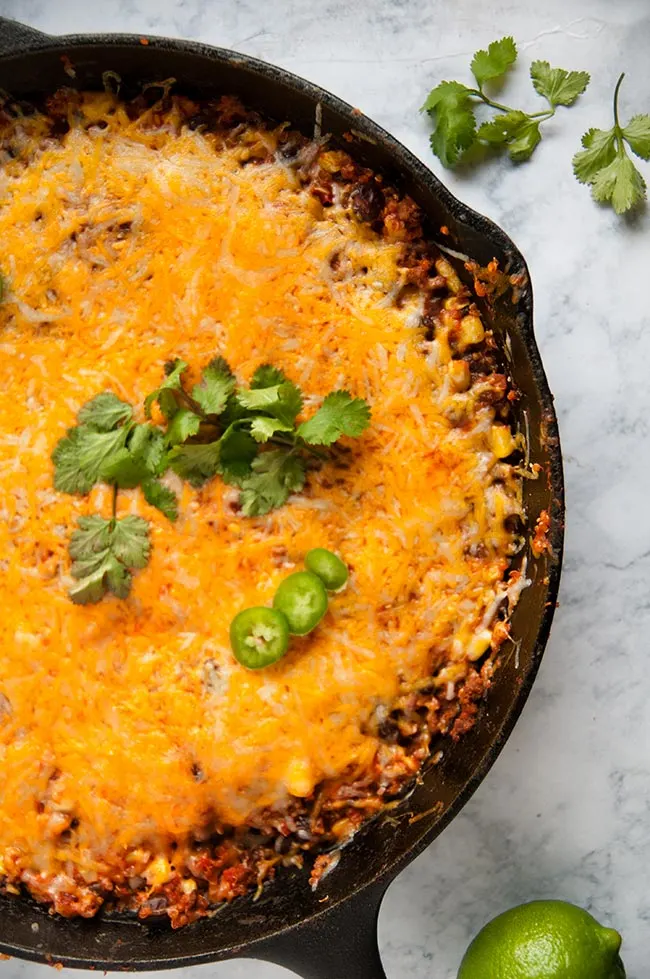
x=124 y=247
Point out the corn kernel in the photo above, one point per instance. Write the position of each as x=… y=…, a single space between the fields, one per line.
x=471 y=330
x=479 y=644
x=453 y=672
x=342 y=829
x=501 y=441
x=158 y=872
x=299 y=778
x=459 y=374
x=455 y=304
x=333 y=160
x=443 y=267
x=138 y=857
x=315 y=208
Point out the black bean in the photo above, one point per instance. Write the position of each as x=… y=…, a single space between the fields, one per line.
x=156 y=904
x=60 y=127
x=367 y=202
x=202 y=120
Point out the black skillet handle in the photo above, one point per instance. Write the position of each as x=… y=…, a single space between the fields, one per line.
x=340 y=944
x=14 y=36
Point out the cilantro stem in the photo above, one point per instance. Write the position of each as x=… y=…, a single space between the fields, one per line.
x=618 y=85
x=114 y=504
x=544 y=114
x=617 y=126
x=488 y=101
x=190 y=403
x=289 y=443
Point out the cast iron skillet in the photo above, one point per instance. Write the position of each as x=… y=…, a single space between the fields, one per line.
x=329 y=934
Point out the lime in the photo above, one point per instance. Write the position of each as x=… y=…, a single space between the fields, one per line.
x=544 y=940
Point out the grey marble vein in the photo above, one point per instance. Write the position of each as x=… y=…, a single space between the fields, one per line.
x=566 y=809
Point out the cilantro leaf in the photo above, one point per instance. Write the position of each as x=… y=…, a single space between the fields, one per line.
x=525 y=140
x=102 y=552
x=236 y=452
x=67 y=476
x=130 y=541
x=160 y=496
x=494 y=62
x=105 y=412
x=147 y=443
x=233 y=412
x=283 y=401
x=339 y=414
x=124 y=470
x=91 y=539
x=164 y=394
x=284 y=405
x=95 y=448
x=144 y=456
x=262 y=428
x=80 y=457
x=259 y=399
x=168 y=402
x=110 y=575
x=183 y=425
x=195 y=463
x=217 y=383
x=268 y=376
x=230 y=456
x=455 y=126
x=637 y=135
x=558 y=86
x=290 y=402
x=276 y=474
x=514 y=129
x=501 y=128
x=599 y=151
x=619 y=183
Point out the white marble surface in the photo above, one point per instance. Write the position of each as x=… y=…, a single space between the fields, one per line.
x=566 y=810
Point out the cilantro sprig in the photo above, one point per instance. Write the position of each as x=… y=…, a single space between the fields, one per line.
x=266 y=413
x=249 y=436
x=452 y=105
x=605 y=164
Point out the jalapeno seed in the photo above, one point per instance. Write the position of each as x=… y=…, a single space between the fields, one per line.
x=328 y=567
x=259 y=637
x=303 y=600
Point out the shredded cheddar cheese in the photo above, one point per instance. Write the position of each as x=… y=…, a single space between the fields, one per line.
x=127 y=726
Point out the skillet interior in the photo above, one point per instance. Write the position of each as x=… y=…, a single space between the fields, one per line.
x=31 y=64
